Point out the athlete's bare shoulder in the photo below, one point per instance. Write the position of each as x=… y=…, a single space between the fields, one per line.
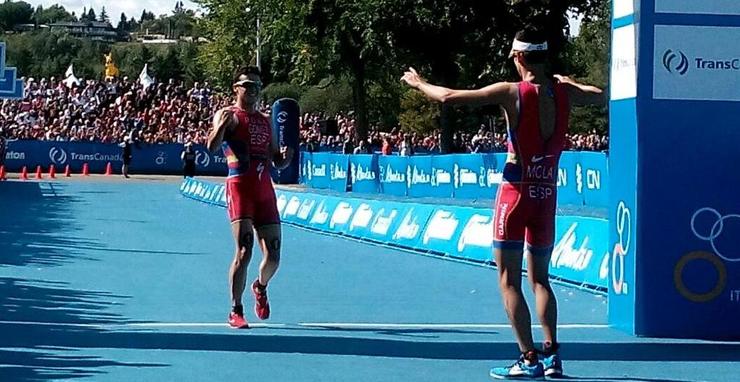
x=225 y=117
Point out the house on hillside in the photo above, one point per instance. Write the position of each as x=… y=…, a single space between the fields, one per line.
x=94 y=30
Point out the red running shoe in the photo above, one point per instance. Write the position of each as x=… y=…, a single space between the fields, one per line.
x=261 y=306
x=237 y=321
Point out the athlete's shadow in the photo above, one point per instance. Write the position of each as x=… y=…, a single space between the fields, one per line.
x=254 y=341
x=614 y=379
x=398 y=332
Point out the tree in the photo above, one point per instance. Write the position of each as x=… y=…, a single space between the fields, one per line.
x=336 y=39
x=231 y=30
x=14 y=13
x=146 y=16
x=103 y=18
x=91 y=15
x=122 y=24
x=37 y=14
x=588 y=58
x=54 y=14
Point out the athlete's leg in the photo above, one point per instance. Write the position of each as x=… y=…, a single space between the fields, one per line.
x=244 y=239
x=510 y=215
x=270 y=242
x=538 y=263
x=509 y=263
x=540 y=237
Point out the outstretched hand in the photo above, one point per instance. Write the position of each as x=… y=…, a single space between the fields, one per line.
x=563 y=79
x=412 y=78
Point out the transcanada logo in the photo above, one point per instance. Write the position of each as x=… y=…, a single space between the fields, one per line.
x=57 y=155
x=202 y=158
x=282 y=116
x=675 y=62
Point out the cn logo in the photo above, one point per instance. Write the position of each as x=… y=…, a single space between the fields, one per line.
x=202 y=158
x=675 y=62
x=57 y=155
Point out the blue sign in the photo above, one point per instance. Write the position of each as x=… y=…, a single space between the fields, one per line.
x=476 y=176
x=675 y=269
x=317 y=170
x=419 y=176
x=364 y=173
x=10 y=86
x=285 y=116
x=392 y=174
x=338 y=172
x=580 y=253
x=146 y=158
x=582 y=177
x=594 y=174
x=443 y=175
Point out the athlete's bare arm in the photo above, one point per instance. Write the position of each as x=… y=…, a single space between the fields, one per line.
x=581 y=94
x=281 y=156
x=222 y=121
x=500 y=93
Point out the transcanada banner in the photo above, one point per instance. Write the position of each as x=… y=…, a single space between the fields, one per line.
x=146 y=159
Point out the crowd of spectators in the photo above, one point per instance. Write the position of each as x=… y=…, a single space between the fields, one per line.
x=169 y=112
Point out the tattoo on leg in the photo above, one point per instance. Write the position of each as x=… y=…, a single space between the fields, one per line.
x=247 y=240
x=274 y=245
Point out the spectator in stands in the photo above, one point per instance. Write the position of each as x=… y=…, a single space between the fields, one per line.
x=188 y=159
x=406 y=147
x=107 y=111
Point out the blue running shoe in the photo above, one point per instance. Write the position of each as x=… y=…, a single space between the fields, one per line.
x=519 y=371
x=553 y=366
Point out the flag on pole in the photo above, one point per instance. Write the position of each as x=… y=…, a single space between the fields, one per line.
x=70 y=79
x=144 y=78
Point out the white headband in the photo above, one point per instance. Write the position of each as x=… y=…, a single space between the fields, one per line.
x=521 y=46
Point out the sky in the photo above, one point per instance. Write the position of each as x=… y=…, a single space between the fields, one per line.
x=114 y=8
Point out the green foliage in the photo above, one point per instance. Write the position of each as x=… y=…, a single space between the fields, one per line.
x=54 y=14
x=365 y=43
x=331 y=99
x=278 y=90
x=46 y=53
x=588 y=56
x=418 y=113
x=13 y=13
x=232 y=34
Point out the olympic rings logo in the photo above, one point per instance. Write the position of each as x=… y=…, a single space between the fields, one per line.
x=713 y=258
x=715 y=232
x=623 y=224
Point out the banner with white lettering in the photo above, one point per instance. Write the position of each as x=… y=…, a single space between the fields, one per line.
x=419 y=176
x=318 y=170
x=443 y=173
x=146 y=158
x=393 y=174
x=338 y=172
x=364 y=173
